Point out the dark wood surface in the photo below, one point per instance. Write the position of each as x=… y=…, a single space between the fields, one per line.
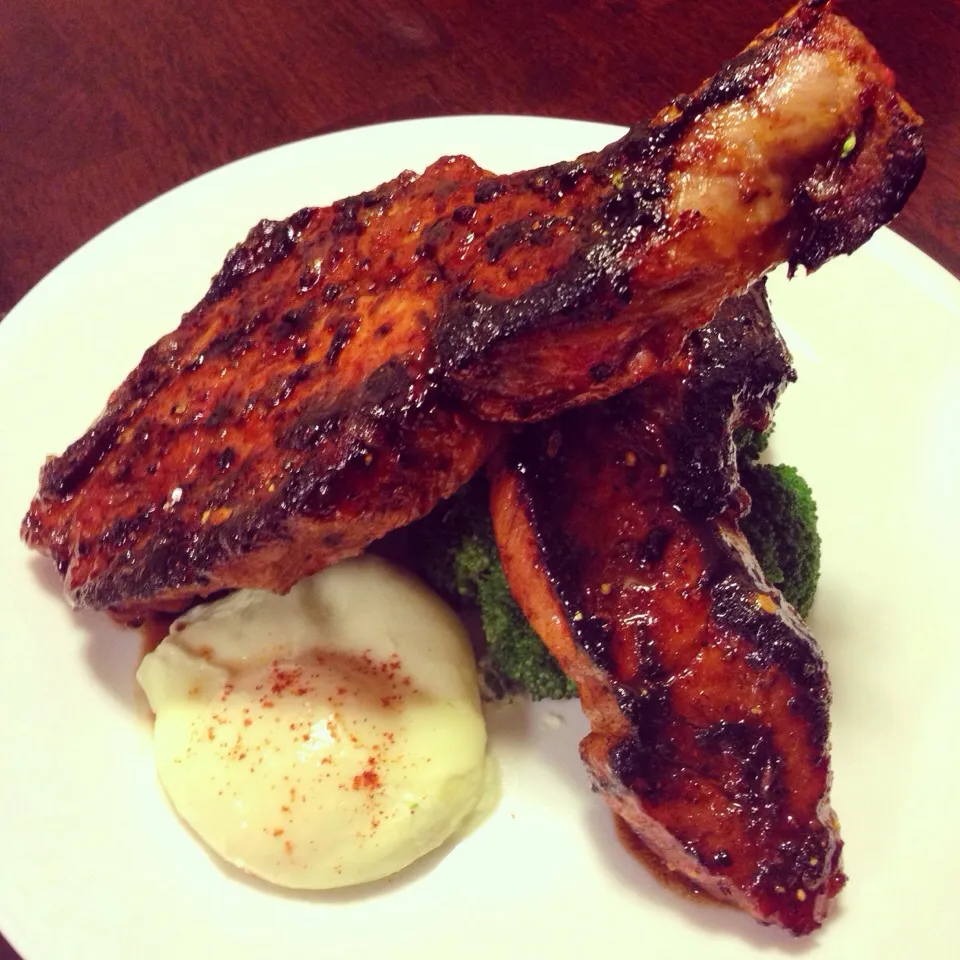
x=104 y=104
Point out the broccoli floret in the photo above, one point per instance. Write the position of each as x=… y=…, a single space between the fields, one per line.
x=515 y=653
x=448 y=545
x=458 y=556
x=781 y=526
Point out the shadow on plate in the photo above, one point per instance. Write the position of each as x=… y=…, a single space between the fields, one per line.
x=709 y=915
x=112 y=652
x=831 y=621
x=559 y=749
x=353 y=894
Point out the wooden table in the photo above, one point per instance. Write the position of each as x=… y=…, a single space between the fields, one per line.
x=105 y=104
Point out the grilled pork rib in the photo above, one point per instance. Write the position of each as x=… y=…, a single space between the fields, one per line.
x=706 y=695
x=342 y=373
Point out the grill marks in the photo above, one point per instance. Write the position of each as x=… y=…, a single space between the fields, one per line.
x=343 y=329
x=707 y=696
x=336 y=459
x=266 y=407
x=511 y=297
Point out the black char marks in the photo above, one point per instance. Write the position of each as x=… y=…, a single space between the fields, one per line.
x=381 y=437
x=503 y=238
x=739 y=365
x=780 y=641
x=488 y=190
x=66 y=473
x=267 y=243
x=544 y=289
x=589 y=286
x=718 y=733
x=343 y=329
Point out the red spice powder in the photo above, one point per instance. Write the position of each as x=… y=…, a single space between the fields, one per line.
x=284 y=679
x=368 y=779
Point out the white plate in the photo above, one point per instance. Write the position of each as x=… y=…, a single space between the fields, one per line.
x=94 y=864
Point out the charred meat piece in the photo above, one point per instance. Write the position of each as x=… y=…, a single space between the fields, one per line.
x=706 y=695
x=338 y=378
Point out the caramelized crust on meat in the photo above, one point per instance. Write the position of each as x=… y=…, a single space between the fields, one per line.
x=707 y=697
x=340 y=375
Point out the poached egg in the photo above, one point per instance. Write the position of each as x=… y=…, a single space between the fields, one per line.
x=328 y=737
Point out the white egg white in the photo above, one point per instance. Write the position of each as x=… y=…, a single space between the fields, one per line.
x=328 y=737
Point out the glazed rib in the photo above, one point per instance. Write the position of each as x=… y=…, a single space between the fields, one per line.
x=707 y=697
x=344 y=371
